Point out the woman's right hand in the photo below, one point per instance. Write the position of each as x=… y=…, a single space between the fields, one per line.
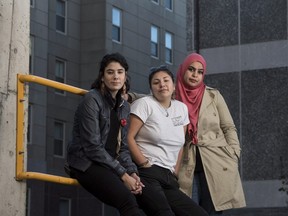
x=132 y=184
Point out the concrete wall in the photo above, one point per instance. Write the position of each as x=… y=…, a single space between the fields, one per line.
x=245 y=44
x=14 y=58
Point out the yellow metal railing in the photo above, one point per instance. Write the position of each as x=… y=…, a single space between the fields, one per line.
x=20 y=173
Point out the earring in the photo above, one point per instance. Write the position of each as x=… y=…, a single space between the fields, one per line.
x=124 y=89
x=102 y=87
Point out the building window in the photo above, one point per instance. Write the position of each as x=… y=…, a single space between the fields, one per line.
x=168 y=47
x=29 y=126
x=116 y=25
x=168 y=4
x=154 y=41
x=65 y=207
x=31 y=54
x=155 y=1
x=59 y=128
x=61 y=16
x=60 y=71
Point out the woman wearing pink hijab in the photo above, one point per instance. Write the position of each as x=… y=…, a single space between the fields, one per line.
x=209 y=169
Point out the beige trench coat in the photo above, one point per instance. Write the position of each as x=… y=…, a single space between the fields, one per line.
x=220 y=152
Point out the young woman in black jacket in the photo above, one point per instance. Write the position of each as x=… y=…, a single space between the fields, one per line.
x=98 y=155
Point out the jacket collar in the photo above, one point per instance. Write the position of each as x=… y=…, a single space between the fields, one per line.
x=207 y=99
x=114 y=103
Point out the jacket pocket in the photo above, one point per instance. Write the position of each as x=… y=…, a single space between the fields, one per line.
x=230 y=152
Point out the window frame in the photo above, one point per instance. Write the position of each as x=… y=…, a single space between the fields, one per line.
x=155 y=2
x=171 y=5
x=58 y=91
x=30 y=124
x=116 y=25
x=28 y=201
x=153 y=42
x=61 y=16
x=69 y=205
x=167 y=48
x=32 y=3
x=31 y=54
x=55 y=138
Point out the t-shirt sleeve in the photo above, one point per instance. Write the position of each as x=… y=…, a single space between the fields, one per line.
x=141 y=109
x=186 y=115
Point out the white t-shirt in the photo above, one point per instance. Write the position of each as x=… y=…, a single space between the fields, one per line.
x=161 y=137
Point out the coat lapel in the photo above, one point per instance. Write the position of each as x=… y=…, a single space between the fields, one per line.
x=208 y=98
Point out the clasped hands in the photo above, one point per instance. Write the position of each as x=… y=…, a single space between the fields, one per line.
x=133 y=183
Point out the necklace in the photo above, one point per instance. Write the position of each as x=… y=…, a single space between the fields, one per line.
x=166 y=113
x=164 y=110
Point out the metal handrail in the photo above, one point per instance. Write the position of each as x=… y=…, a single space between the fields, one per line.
x=20 y=173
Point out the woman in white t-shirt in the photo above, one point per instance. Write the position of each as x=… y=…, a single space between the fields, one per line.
x=155 y=137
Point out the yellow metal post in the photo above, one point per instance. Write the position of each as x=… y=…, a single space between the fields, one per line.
x=19 y=132
x=47 y=177
x=20 y=173
x=51 y=83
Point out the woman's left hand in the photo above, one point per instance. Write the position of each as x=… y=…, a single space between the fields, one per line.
x=139 y=184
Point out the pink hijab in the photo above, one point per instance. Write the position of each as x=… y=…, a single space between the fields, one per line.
x=191 y=96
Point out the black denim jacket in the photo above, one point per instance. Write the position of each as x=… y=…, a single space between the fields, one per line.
x=90 y=131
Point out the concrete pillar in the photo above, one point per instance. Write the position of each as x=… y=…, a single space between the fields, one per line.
x=14 y=58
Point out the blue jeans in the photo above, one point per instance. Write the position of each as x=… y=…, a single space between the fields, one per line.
x=201 y=194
